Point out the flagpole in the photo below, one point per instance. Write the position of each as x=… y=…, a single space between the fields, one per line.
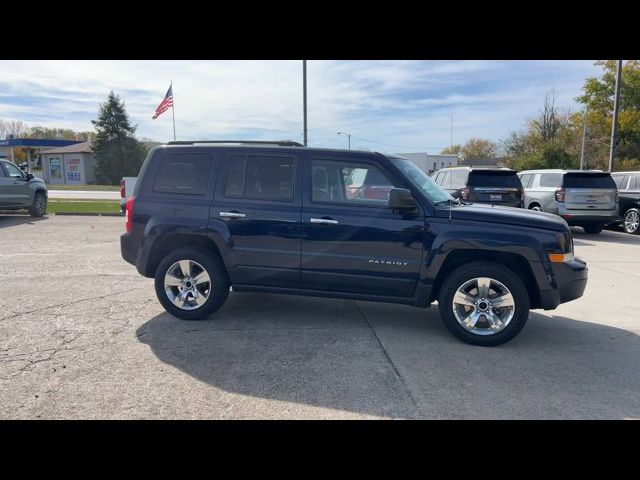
x=173 y=111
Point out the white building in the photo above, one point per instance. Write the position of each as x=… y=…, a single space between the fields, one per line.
x=430 y=163
x=73 y=164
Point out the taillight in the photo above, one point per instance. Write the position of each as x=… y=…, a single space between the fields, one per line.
x=128 y=213
x=122 y=188
x=464 y=193
x=560 y=195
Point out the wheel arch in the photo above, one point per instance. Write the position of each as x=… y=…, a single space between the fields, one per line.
x=512 y=261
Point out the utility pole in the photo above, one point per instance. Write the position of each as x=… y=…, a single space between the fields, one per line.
x=614 y=125
x=304 y=98
x=584 y=139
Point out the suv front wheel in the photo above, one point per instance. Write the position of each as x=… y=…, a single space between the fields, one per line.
x=483 y=303
x=631 y=221
x=191 y=284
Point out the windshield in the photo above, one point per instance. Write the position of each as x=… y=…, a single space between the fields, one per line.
x=421 y=180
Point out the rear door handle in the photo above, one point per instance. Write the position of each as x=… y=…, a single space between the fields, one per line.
x=325 y=221
x=232 y=215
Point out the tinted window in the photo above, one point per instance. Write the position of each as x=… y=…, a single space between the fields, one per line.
x=588 y=180
x=494 y=178
x=551 y=180
x=186 y=173
x=12 y=170
x=234 y=185
x=2 y=174
x=261 y=177
x=269 y=178
x=345 y=182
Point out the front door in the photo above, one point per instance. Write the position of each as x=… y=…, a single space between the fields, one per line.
x=14 y=188
x=351 y=241
x=258 y=200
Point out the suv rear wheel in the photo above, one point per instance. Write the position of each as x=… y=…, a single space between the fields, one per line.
x=483 y=304
x=593 y=228
x=191 y=284
x=631 y=221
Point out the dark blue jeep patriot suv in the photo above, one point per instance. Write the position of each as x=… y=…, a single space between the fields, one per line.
x=279 y=217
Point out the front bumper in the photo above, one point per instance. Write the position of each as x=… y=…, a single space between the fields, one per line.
x=569 y=280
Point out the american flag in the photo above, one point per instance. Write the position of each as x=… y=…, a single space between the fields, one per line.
x=165 y=104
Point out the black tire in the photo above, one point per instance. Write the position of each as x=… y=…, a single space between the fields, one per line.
x=535 y=207
x=472 y=270
x=39 y=206
x=629 y=228
x=593 y=228
x=219 y=284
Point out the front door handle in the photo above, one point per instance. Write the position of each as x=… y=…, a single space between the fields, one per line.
x=325 y=221
x=232 y=215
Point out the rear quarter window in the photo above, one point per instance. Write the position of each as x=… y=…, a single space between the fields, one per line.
x=479 y=178
x=551 y=180
x=588 y=180
x=185 y=173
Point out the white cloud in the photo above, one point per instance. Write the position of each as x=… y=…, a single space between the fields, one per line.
x=405 y=103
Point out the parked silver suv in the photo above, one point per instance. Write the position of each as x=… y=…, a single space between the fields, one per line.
x=19 y=190
x=586 y=198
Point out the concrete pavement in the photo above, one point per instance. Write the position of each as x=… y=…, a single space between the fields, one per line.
x=83 y=336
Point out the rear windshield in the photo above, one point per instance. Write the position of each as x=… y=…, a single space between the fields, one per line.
x=494 y=178
x=588 y=180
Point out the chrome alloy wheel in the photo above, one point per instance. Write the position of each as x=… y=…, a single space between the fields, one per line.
x=483 y=306
x=187 y=284
x=631 y=221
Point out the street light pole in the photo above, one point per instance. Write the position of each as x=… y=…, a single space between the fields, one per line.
x=304 y=98
x=584 y=139
x=348 y=138
x=614 y=126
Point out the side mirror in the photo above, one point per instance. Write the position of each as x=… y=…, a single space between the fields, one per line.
x=30 y=176
x=401 y=199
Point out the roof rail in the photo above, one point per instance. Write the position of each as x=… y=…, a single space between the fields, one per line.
x=282 y=143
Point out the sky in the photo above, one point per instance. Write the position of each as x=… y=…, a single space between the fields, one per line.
x=389 y=106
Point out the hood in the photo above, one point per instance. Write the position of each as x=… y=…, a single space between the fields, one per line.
x=478 y=212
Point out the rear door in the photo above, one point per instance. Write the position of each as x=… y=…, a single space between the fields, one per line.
x=589 y=191
x=356 y=244
x=258 y=199
x=495 y=187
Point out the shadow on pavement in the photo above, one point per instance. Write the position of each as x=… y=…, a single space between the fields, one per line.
x=608 y=236
x=323 y=353
x=11 y=220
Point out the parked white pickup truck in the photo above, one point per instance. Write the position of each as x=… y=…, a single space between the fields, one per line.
x=127 y=184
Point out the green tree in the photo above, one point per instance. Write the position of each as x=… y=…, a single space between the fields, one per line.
x=597 y=96
x=479 y=149
x=118 y=154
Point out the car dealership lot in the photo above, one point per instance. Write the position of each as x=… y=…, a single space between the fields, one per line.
x=83 y=336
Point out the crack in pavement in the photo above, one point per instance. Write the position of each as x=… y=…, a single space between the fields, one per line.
x=393 y=366
x=39 y=309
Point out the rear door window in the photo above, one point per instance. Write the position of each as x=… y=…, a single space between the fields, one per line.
x=458 y=178
x=186 y=173
x=494 y=178
x=634 y=183
x=260 y=177
x=588 y=180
